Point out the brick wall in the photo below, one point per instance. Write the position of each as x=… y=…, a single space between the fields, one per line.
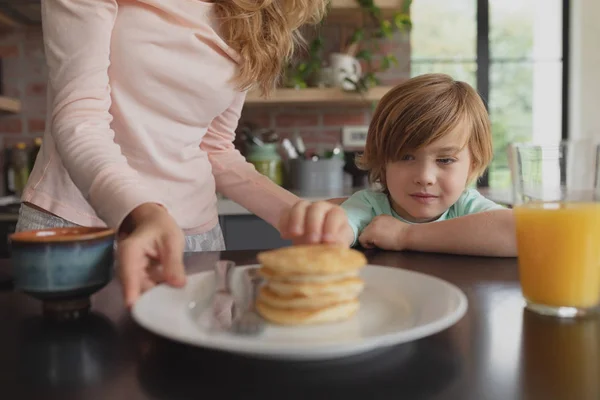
x=24 y=76
x=322 y=124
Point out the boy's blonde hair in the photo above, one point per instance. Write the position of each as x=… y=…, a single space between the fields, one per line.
x=418 y=112
x=265 y=33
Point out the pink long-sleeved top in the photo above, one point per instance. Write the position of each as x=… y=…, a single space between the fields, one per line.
x=142 y=109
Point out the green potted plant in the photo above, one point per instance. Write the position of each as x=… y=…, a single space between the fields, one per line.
x=302 y=73
x=365 y=38
x=368 y=38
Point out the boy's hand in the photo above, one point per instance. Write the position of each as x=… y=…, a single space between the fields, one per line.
x=385 y=232
x=320 y=222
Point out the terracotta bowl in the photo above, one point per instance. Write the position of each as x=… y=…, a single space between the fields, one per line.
x=63 y=266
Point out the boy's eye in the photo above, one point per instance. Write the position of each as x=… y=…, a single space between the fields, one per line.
x=445 y=161
x=406 y=157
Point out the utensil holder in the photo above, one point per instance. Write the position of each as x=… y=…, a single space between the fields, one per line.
x=320 y=177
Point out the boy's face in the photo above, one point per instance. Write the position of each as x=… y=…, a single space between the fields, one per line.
x=426 y=182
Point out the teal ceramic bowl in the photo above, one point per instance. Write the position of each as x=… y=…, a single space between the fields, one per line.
x=62 y=267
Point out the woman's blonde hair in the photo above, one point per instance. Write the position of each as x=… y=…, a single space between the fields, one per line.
x=418 y=112
x=265 y=33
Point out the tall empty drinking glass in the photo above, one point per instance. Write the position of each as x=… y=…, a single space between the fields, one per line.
x=557 y=215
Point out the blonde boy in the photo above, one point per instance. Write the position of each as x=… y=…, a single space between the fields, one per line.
x=429 y=138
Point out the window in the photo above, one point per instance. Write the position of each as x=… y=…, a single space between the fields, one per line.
x=444 y=38
x=512 y=52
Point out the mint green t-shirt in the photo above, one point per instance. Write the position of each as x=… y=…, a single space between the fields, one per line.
x=365 y=205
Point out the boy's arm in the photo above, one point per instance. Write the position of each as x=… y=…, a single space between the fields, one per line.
x=347 y=235
x=359 y=212
x=489 y=233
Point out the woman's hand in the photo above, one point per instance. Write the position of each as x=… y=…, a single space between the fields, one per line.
x=150 y=251
x=319 y=222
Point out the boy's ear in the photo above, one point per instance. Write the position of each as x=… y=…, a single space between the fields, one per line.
x=473 y=175
x=382 y=179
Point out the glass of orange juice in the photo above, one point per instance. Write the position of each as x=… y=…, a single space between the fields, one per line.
x=557 y=213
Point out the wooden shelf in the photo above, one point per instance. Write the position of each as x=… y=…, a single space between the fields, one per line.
x=20 y=13
x=7 y=22
x=348 y=12
x=31 y=11
x=9 y=105
x=311 y=96
x=352 y=4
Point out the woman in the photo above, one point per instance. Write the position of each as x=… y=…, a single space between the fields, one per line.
x=144 y=97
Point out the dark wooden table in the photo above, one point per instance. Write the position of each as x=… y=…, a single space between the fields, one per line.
x=497 y=351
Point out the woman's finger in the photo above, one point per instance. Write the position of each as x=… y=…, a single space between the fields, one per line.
x=155 y=273
x=335 y=220
x=131 y=263
x=315 y=217
x=147 y=284
x=171 y=257
x=296 y=218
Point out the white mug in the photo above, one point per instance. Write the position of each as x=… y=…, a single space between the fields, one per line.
x=344 y=66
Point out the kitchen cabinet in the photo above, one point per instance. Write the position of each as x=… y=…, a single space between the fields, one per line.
x=8 y=223
x=19 y=13
x=249 y=232
x=9 y=105
x=241 y=232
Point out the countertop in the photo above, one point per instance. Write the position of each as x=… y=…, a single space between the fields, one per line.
x=230 y=207
x=496 y=351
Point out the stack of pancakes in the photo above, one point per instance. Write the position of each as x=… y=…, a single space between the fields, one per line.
x=310 y=284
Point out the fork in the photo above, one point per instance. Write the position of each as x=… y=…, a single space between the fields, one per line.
x=220 y=309
x=250 y=322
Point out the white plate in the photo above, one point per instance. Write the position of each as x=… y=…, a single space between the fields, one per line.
x=397 y=306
